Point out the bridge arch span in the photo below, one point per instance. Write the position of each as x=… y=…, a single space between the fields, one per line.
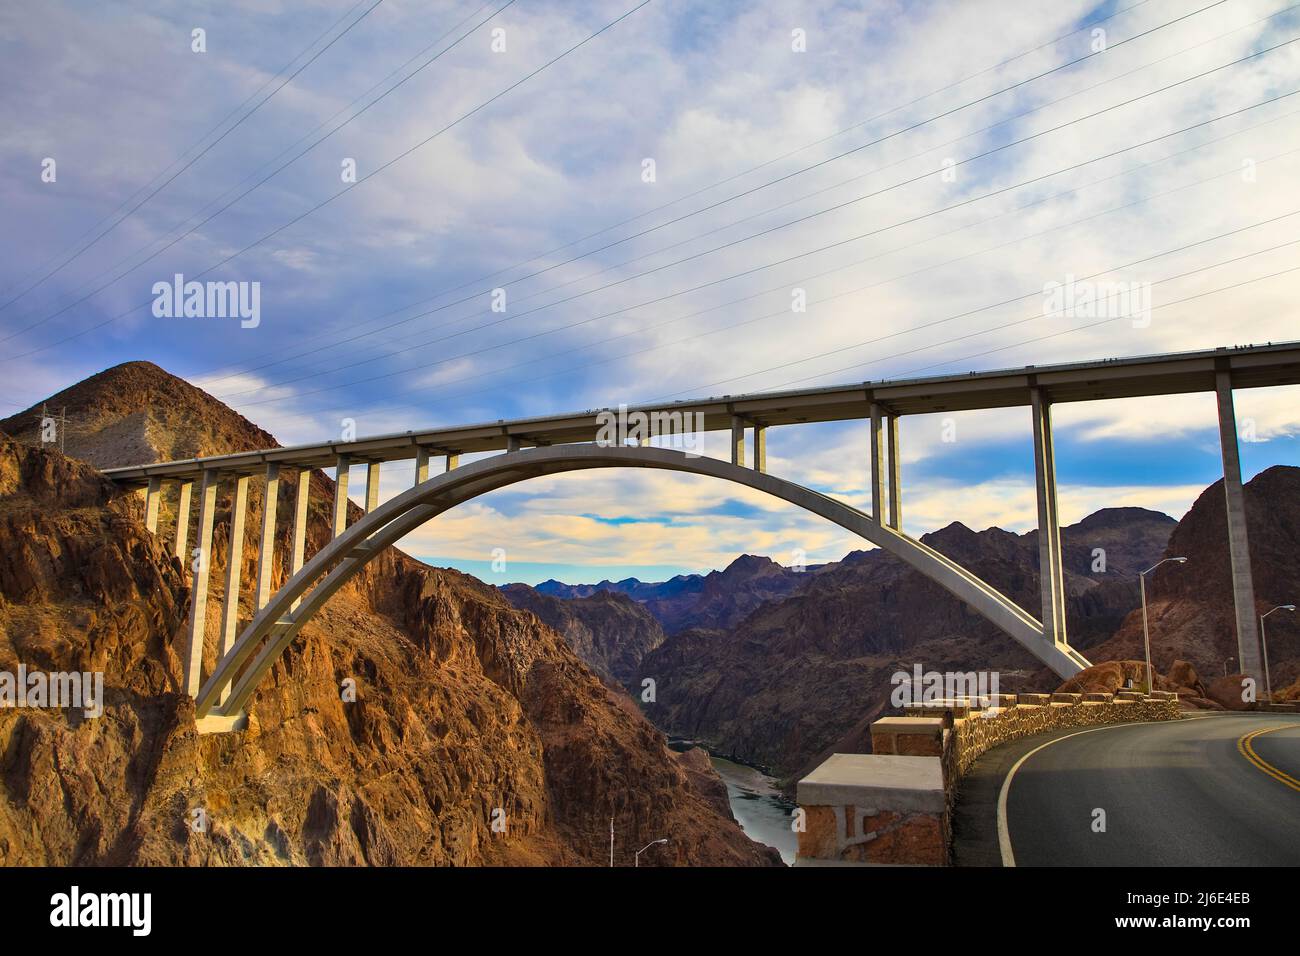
x=271 y=630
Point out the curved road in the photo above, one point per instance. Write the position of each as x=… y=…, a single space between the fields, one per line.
x=1182 y=793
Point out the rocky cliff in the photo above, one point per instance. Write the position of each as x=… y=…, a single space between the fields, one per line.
x=607 y=629
x=467 y=709
x=1190 y=605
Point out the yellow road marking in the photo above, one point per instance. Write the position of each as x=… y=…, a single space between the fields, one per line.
x=1246 y=750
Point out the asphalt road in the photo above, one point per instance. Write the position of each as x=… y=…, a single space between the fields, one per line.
x=1179 y=793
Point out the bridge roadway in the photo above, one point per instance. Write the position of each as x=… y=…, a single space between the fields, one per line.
x=582 y=438
x=1203 y=791
x=1248 y=367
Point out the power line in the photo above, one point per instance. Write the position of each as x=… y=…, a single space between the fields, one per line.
x=198 y=217
x=252 y=188
x=371 y=174
x=785 y=311
x=178 y=172
x=330 y=199
x=638 y=258
x=195 y=145
x=1093 y=325
x=932 y=324
x=1038 y=316
x=769 y=265
x=722 y=182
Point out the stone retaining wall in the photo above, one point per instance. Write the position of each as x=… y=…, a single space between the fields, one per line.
x=971 y=737
x=894 y=806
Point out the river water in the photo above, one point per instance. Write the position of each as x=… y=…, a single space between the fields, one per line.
x=758 y=806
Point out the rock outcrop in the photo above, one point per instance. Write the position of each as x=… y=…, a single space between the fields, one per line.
x=607 y=629
x=468 y=711
x=1190 y=607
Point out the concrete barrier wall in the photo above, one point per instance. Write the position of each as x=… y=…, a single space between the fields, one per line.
x=894 y=806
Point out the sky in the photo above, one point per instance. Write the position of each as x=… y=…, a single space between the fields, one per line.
x=653 y=187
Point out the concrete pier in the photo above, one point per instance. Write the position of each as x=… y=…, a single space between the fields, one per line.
x=877 y=447
x=193 y=659
x=895 y=478
x=266 y=543
x=234 y=562
x=184 y=494
x=298 y=547
x=372 y=486
x=1051 y=571
x=151 y=495
x=1243 y=585
x=339 y=524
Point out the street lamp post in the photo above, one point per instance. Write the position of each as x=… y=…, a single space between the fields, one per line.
x=636 y=860
x=1146 y=634
x=1263 y=640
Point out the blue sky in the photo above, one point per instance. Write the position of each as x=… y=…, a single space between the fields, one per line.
x=376 y=307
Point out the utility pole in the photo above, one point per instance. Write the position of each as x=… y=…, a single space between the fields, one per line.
x=611 y=841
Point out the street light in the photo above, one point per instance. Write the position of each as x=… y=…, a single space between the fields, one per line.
x=1268 y=684
x=636 y=860
x=1146 y=634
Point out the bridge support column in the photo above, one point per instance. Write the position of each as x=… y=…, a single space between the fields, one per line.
x=877 y=442
x=193 y=658
x=372 y=486
x=1051 y=571
x=421 y=465
x=298 y=549
x=760 y=448
x=234 y=564
x=738 y=441
x=1243 y=585
x=895 y=478
x=266 y=543
x=340 y=522
x=151 y=496
x=453 y=461
x=512 y=443
x=183 y=519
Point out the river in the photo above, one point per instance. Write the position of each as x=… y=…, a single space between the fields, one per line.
x=758 y=806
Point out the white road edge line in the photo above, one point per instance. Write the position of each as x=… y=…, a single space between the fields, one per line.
x=1004 y=834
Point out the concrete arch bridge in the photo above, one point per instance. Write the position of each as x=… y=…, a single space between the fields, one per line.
x=568 y=443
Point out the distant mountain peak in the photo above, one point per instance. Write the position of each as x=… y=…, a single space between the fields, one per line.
x=136 y=413
x=1123 y=517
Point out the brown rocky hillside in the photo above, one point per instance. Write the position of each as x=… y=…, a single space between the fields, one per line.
x=608 y=630
x=465 y=704
x=1190 y=605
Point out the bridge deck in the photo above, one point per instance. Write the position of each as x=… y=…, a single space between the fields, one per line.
x=1250 y=367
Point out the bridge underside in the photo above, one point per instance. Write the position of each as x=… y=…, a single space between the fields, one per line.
x=266 y=637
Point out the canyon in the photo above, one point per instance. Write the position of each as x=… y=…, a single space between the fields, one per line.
x=467 y=711
x=546 y=710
